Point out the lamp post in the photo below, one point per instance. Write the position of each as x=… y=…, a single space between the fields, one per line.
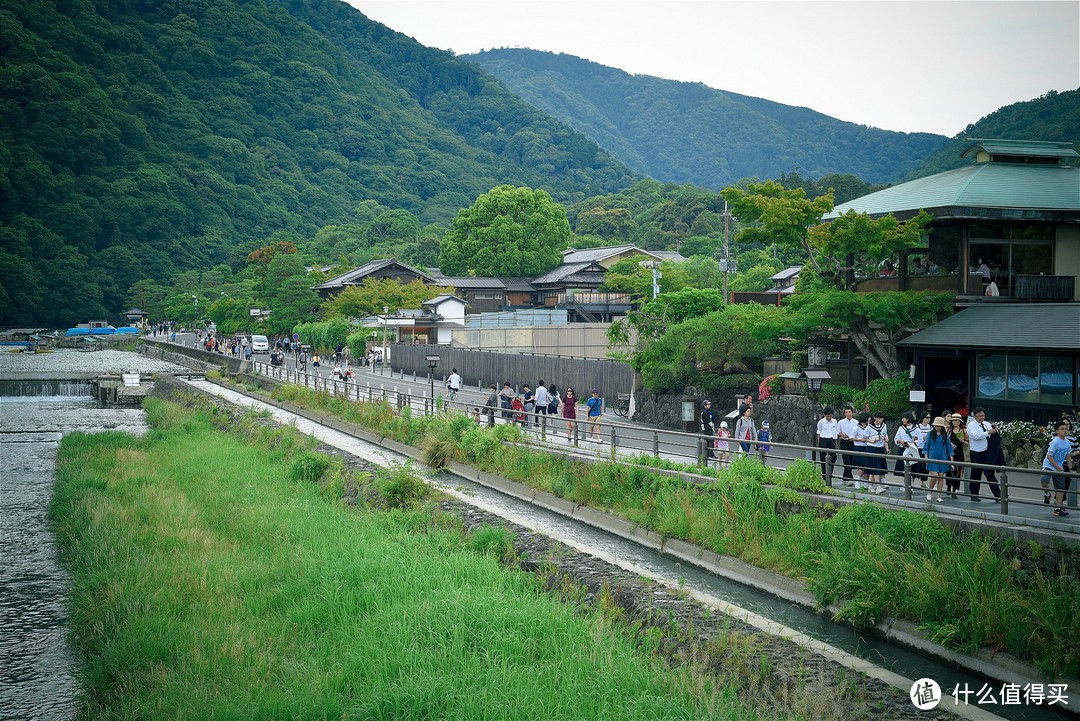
x=654 y=266
x=385 y=321
x=432 y=361
x=817 y=350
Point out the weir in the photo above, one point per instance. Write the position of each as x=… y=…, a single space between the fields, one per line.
x=66 y=387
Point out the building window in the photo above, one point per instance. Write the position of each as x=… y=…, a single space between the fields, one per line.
x=487 y=296
x=1025 y=378
x=1010 y=249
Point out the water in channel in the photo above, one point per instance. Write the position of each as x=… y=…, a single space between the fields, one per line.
x=37 y=666
x=909 y=664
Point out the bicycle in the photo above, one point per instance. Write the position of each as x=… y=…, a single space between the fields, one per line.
x=621 y=406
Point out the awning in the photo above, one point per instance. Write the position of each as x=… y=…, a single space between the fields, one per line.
x=1019 y=326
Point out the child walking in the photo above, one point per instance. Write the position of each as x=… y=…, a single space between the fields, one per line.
x=764 y=436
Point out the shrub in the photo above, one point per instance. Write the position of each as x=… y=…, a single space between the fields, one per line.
x=802 y=475
x=888 y=395
x=837 y=396
x=729 y=386
x=402 y=487
x=308 y=466
x=493 y=541
x=438 y=452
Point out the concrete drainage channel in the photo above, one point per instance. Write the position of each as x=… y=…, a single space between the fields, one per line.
x=894 y=651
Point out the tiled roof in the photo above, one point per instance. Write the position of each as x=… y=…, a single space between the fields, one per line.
x=357 y=274
x=560 y=272
x=984 y=185
x=468 y=282
x=589 y=255
x=1022 y=326
x=997 y=185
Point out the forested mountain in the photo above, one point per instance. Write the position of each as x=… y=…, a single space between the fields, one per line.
x=141 y=139
x=1054 y=117
x=689 y=133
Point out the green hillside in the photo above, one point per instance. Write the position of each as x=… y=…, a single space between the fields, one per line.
x=1053 y=117
x=139 y=140
x=689 y=133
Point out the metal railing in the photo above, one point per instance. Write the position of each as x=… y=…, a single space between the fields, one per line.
x=612 y=439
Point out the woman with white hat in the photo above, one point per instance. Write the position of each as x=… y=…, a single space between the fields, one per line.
x=937 y=447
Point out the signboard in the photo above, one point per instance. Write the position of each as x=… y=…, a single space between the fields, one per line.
x=917 y=396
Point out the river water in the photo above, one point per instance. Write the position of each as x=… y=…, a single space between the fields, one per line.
x=37 y=666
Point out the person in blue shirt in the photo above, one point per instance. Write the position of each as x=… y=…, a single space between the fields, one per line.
x=1055 y=461
x=595 y=405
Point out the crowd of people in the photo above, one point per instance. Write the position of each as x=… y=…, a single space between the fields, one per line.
x=932 y=450
x=526 y=407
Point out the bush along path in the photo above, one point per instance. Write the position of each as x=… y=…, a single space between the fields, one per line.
x=967 y=590
x=228 y=568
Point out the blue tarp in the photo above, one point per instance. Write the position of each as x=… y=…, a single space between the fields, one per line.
x=78 y=331
x=102 y=331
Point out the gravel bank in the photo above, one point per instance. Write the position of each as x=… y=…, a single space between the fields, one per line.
x=66 y=362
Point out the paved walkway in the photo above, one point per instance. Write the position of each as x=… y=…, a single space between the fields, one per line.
x=632 y=438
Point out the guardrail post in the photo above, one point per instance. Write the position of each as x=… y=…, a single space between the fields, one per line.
x=701 y=456
x=613 y=439
x=656 y=444
x=543 y=426
x=1004 y=486
x=577 y=430
x=828 y=468
x=907 y=481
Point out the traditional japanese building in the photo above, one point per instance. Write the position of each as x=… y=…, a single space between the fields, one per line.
x=1005 y=239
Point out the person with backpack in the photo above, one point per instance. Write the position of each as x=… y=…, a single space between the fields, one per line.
x=764 y=436
x=745 y=429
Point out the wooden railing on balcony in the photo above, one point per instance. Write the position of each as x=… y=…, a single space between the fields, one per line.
x=1045 y=287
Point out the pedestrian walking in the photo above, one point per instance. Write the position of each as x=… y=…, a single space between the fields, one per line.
x=979 y=434
x=764 y=436
x=958 y=438
x=937 y=448
x=825 y=437
x=491 y=404
x=528 y=399
x=595 y=408
x=746 y=429
x=541 y=399
x=845 y=435
x=569 y=410
x=707 y=428
x=506 y=397
x=723 y=445
x=1057 y=454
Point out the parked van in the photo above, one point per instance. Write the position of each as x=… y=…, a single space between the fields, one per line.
x=260 y=344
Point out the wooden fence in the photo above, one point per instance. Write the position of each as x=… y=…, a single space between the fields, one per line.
x=483 y=368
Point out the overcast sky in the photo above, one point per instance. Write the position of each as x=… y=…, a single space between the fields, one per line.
x=909 y=66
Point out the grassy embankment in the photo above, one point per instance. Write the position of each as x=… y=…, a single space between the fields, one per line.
x=213 y=579
x=873 y=562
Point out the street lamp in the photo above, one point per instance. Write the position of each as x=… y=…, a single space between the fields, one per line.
x=816 y=358
x=432 y=361
x=654 y=266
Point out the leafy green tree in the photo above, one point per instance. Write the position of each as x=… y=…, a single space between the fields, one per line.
x=357 y=301
x=507 y=232
x=873 y=321
x=230 y=315
x=835 y=251
x=700 y=349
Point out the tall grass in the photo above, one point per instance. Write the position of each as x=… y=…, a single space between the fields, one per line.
x=871 y=561
x=214 y=580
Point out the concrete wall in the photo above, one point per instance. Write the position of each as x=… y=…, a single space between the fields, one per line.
x=575 y=340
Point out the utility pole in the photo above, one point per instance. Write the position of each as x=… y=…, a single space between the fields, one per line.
x=727 y=263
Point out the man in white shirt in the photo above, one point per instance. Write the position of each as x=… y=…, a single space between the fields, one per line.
x=828 y=429
x=453 y=384
x=845 y=428
x=541 y=399
x=978 y=433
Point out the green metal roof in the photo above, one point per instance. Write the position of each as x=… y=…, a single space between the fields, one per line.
x=1024 y=326
x=985 y=185
x=1028 y=148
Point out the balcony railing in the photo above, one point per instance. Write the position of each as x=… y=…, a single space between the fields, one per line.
x=1045 y=287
